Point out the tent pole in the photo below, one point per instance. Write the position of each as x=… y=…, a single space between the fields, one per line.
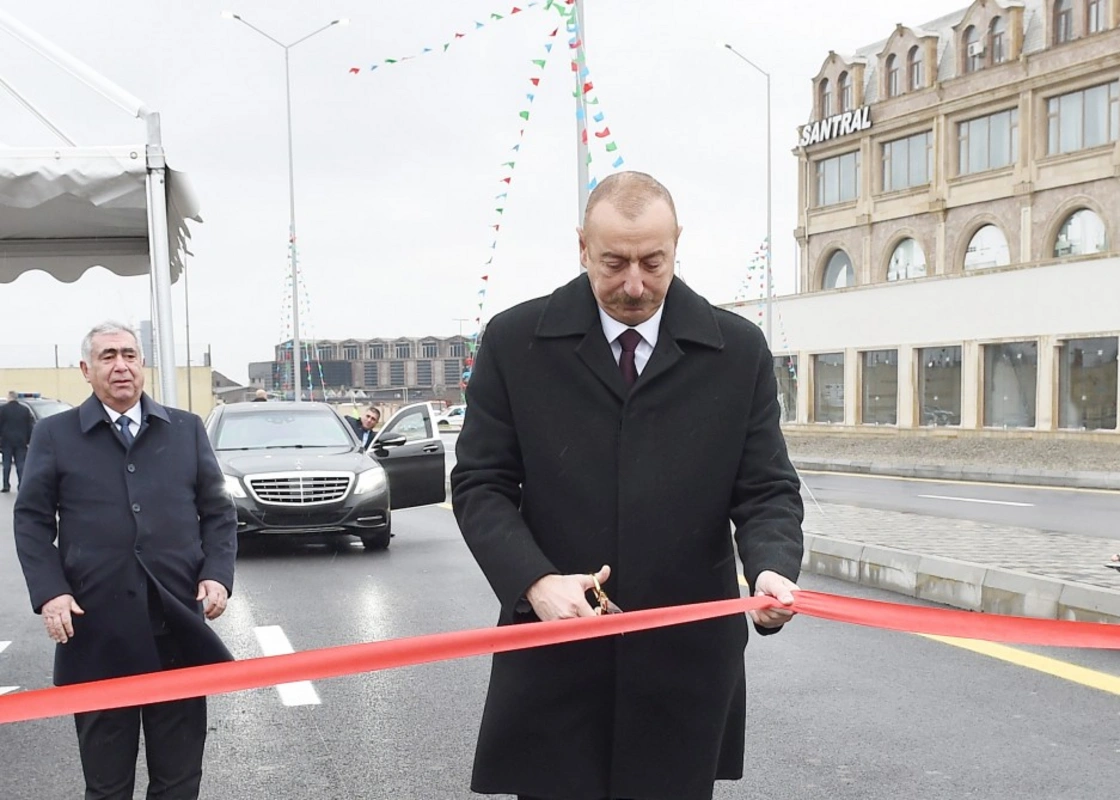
x=161 y=262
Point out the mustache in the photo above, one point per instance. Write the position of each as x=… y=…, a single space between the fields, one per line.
x=627 y=301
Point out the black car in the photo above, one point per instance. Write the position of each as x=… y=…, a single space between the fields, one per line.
x=298 y=468
x=41 y=406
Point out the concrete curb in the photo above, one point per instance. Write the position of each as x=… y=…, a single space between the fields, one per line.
x=975 y=587
x=1075 y=480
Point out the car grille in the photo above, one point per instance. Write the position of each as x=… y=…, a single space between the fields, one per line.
x=300 y=488
x=302 y=520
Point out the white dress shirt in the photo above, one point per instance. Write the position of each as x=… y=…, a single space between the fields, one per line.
x=134 y=418
x=612 y=329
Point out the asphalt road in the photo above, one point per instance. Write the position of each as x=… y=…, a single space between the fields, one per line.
x=1087 y=513
x=834 y=710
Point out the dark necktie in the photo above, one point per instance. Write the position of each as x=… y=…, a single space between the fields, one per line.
x=126 y=430
x=629 y=340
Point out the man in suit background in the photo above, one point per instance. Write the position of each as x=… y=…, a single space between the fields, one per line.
x=670 y=430
x=365 y=425
x=146 y=541
x=16 y=422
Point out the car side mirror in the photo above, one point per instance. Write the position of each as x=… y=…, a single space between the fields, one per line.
x=390 y=440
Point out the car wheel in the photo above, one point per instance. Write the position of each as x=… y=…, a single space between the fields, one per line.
x=378 y=540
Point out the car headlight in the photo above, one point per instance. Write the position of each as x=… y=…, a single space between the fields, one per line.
x=371 y=480
x=233 y=487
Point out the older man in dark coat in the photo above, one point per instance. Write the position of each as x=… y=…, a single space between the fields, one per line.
x=616 y=428
x=146 y=541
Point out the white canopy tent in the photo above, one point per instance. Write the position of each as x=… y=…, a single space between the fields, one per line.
x=68 y=208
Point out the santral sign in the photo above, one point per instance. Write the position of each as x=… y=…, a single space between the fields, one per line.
x=836 y=125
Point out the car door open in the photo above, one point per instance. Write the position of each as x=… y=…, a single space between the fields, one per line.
x=416 y=470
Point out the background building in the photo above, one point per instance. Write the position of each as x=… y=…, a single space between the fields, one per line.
x=959 y=227
x=380 y=370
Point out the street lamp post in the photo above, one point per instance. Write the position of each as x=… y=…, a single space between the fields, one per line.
x=769 y=207
x=297 y=389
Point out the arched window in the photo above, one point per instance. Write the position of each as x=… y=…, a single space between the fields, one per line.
x=894 y=89
x=998 y=37
x=907 y=261
x=987 y=248
x=826 y=98
x=839 y=273
x=916 y=69
x=973 y=49
x=1083 y=233
x=845 y=92
x=1063 y=21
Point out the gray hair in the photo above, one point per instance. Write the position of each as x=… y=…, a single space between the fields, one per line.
x=109 y=326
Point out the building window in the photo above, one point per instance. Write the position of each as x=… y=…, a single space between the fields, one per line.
x=892 y=86
x=1095 y=15
x=907 y=162
x=939 y=385
x=403 y=350
x=988 y=142
x=845 y=92
x=907 y=261
x=839 y=273
x=838 y=179
x=916 y=69
x=973 y=49
x=452 y=372
x=423 y=373
x=785 y=372
x=880 y=387
x=1083 y=119
x=1087 y=384
x=828 y=383
x=350 y=352
x=825 y=98
x=396 y=373
x=371 y=376
x=429 y=349
x=998 y=37
x=1063 y=21
x=375 y=352
x=987 y=248
x=456 y=349
x=1010 y=384
x=1083 y=233
x=325 y=353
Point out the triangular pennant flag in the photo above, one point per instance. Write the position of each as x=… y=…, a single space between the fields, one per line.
x=446 y=46
x=426 y=50
x=574 y=43
x=354 y=70
x=591 y=186
x=515 y=10
x=603 y=134
x=374 y=67
x=594 y=101
x=510 y=164
x=390 y=61
x=548 y=47
x=489 y=261
x=496 y=227
x=500 y=196
x=589 y=158
x=611 y=147
x=598 y=117
x=554 y=32
x=540 y=62
x=516 y=147
x=584 y=72
x=478 y=25
x=575 y=67
x=531 y=96
x=617 y=162
x=587 y=87
x=579 y=112
x=506 y=180
x=535 y=81
x=485 y=277
x=495 y=15
x=524 y=115
x=583 y=136
x=500 y=210
x=493 y=245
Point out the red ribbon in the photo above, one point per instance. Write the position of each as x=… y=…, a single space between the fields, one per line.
x=332 y=662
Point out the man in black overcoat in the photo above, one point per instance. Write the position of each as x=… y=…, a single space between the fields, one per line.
x=16 y=423
x=146 y=540
x=619 y=429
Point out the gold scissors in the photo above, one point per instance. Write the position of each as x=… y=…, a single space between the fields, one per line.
x=605 y=604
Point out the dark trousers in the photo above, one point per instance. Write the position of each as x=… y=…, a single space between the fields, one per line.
x=174 y=739
x=16 y=454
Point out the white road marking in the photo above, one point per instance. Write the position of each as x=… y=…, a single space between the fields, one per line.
x=4 y=646
x=976 y=500
x=6 y=689
x=274 y=643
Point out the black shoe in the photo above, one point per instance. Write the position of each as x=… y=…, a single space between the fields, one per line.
x=5 y=490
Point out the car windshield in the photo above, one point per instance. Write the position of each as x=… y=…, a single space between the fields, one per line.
x=47 y=408
x=267 y=429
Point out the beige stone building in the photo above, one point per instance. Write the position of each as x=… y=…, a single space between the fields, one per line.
x=959 y=222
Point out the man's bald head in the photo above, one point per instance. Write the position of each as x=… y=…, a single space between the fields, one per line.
x=630 y=193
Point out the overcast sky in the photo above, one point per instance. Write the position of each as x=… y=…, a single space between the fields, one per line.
x=397 y=168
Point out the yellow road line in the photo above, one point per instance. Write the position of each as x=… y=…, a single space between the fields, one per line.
x=959 y=482
x=1049 y=666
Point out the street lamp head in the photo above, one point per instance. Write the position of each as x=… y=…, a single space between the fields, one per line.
x=344 y=21
x=229 y=15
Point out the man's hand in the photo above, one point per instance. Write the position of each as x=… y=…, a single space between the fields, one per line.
x=564 y=596
x=57 y=616
x=772 y=584
x=213 y=596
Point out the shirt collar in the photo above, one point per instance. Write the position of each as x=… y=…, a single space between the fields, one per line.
x=648 y=329
x=133 y=414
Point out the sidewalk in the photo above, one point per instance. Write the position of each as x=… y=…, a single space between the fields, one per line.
x=1037 y=462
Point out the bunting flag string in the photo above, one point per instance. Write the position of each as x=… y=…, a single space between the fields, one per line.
x=501 y=199
x=462 y=33
x=585 y=88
